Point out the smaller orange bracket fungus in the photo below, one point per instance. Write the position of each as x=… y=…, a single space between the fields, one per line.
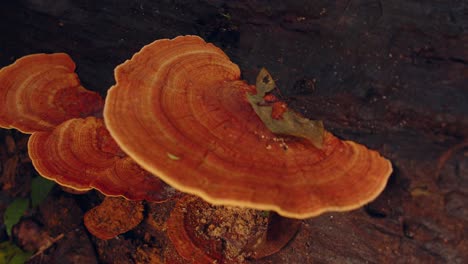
x=41 y=94
x=180 y=110
x=113 y=216
x=203 y=233
x=80 y=154
x=40 y=91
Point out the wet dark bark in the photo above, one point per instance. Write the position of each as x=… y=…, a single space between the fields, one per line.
x=392 y=75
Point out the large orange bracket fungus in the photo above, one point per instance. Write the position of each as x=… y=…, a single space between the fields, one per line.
x=180 y=110
x=40 y=91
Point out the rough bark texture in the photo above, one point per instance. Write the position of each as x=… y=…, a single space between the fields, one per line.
x=392 y=75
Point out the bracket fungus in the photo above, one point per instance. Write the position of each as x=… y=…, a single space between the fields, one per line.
x=80 y=154
x=203 y=233
x=113 y=216
x=40 y=91
x=41 y=94
x=180 y=110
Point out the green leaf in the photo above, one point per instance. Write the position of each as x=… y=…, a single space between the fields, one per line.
x=291 y=123
x=14 y=212
x=11 y=254
x=40 y=188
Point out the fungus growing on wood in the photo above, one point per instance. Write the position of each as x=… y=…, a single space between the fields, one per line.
x=40 y=91
x=179 y=109
x=113 y=216
x=41 y=94
x=80 y=154
x=203 y=233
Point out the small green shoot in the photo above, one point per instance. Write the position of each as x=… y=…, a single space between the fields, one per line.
x=40 y=188
x=14 y=212
x=11 y=254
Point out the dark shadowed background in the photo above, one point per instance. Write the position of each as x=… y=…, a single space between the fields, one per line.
x=392 y=75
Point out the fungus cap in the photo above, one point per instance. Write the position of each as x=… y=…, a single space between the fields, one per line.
x=180 y=110
x=40 y=91
x=80 y=154
x=113 y=216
